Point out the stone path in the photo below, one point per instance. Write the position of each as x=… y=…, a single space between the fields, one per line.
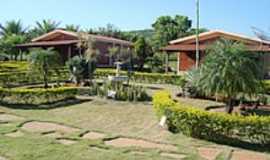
x=245 y=155
x=53 y=135
x=173 y=155
x=66 y=141
x=15 y=134
x=2 y=158
x=9 y=118
x=209 y=153
x=93 y=135
x=42 y=127
x=128 y=142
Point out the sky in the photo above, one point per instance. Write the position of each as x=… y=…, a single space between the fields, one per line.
x=230 y=15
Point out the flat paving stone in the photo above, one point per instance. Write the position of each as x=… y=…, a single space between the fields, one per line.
x=9 y=118
x=66 y=141
x=173 y=155
x=15 y=134
x=53 y=135
x=41 y=127
x=247 y=155
x=209 y=153
x=93 y=135
x=3 y=158
x=128 y=142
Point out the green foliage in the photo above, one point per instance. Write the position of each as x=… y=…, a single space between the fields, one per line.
x=41 y=61
x=141 y=77
x=36 y=96
x=229 y=70
x=219 y=127
x=43 y=27
x=170 y=28
x=72 y=27
x=12 y=28
x=122 y=92
x=8 y=45
x=142 y=50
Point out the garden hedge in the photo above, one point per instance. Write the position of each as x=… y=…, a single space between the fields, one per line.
x=141 y=77
x=36 y=96
x=218 y=127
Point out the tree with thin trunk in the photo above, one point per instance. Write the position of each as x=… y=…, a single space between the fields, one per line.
x=229 y=70
x=43 y=61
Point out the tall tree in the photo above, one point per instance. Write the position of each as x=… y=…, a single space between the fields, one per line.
x=45 y=26
x=12 y=28
x=8 y=45
x=72 y=27
x=168 y=28
x=229 y=70
x=43 y=61
x=142 y=51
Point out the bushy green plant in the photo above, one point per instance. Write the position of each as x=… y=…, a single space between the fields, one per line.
x=122 y=92
x=36 y=96
x=229 y=70
x=219 y=127
x=41 y=61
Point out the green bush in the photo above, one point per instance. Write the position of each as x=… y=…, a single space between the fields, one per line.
x=157 y=78
x=123 y=92
x=219 y=127
x=36 y=96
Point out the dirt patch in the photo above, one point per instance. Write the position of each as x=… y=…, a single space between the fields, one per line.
x=42 y=127
x=53 y=135
x=66 y=141
x=245 y=155
x=128 y=142
x=93 y=135
x=209 y=153
x=9 y=118
x=2 y=158
x=173 y=155
x=15 y=134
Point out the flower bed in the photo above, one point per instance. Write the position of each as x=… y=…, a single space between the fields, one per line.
x=36 y=96
x=219 y=127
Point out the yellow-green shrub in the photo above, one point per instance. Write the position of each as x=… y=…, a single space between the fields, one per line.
x=36 y=96
x=219 y=127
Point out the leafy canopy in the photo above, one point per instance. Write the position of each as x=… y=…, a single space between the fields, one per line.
x=230 y=70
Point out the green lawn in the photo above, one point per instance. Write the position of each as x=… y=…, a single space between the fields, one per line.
x=115 y=119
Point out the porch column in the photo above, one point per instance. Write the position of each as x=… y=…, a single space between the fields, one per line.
x=178 y=63
x=69 y=52
x=167 y=62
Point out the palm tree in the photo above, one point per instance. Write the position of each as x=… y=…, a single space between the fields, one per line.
x=72 y=27
x=46 y=26
x=12 y=28
x=43 y=61
x=229 y=70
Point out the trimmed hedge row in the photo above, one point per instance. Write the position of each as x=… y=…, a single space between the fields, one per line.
x=36 y=96
x=219 y=127
x=141 y=77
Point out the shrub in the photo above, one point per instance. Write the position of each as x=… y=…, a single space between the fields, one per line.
x=142 y=77
x=219 y=127
x=122 y=92
x=35 y=96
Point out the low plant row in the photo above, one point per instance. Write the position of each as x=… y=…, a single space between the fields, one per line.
x=218 y=127
x=141 y=77
x=36 y=96
x=120 y=92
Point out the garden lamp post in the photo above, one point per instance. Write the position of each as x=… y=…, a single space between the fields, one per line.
x=197 y=33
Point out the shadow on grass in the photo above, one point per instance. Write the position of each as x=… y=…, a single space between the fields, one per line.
x=54 y=105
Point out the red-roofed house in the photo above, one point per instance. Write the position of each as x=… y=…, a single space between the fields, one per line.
x=65 y=42
x=186 y=47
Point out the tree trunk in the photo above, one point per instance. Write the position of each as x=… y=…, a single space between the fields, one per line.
x=229 y=107
x=45 y=78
